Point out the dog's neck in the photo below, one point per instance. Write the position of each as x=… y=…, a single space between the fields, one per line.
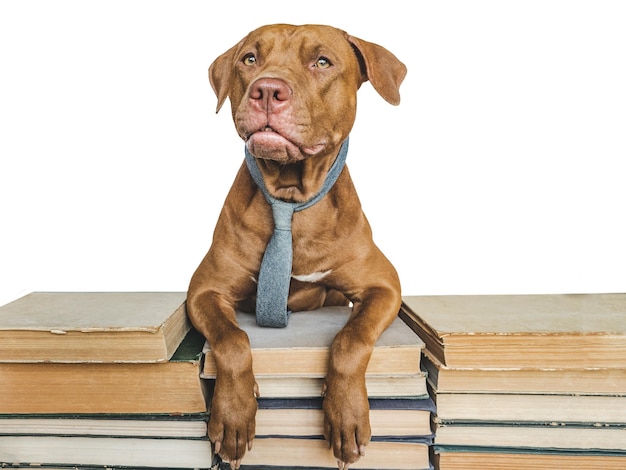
x=296 y=182
x=328 y=174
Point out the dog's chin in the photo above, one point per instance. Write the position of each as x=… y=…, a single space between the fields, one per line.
x=271 y=145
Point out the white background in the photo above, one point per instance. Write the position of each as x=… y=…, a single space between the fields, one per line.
x=502 y=170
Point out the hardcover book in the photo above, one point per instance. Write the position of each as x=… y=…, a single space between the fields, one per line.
x=93 y=327
x=477 y=458
x=130 y=452
x=170 y=387
x=301 y=349
x=521 y=331
x=315 y=453
x=536 y=439
x=164 y=426
x=590 y=410
x=601 y=381
x=390 y=419
x=378 y=386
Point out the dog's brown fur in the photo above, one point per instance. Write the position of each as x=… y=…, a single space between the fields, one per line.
x=292 y=91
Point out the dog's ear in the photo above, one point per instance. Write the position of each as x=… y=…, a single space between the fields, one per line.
x=220 y=74
x=381 y=67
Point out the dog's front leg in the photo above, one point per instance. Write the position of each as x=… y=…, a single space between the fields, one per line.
x=346 y=408
x=234 y=406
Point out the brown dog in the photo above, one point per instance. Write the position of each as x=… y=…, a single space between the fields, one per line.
x=292 y=91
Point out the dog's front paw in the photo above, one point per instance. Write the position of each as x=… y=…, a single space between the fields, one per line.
x=232 y=420
x=346 y=419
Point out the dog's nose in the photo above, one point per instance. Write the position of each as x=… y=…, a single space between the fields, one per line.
x=270 y=94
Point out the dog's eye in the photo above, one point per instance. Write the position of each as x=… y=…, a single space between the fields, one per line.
x=322 y=63
x=249 y=59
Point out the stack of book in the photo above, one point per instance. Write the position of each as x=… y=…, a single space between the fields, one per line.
x=290 y=365
x=525 y=381
x=101 y=380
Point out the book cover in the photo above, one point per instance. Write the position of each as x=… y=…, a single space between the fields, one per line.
x=93 y=327
x=301 y=349
x=521 y=331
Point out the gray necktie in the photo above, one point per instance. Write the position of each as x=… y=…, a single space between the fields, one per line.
x=275 y=271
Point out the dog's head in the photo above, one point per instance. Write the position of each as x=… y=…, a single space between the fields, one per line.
x=293 y=88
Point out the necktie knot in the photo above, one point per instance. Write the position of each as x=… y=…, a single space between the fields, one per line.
x=283 y=214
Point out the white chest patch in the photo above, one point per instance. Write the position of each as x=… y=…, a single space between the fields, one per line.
x=313 y=277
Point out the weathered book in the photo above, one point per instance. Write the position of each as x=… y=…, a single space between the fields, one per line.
x=521 y=331
x=129 y=452
x=301 y=349
x=163 y=426
x=531 y=409
x=302 y=417
x=536 y=439
x=315 y=453
x=603 y=381
x=378 y=386
x=470 y=458
x=93 y=327
x=170 y=387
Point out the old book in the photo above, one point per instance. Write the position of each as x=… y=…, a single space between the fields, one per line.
x=163 y=426
x=170 y=387
x=521 y=331
x=378 y=386
x=105 y=452
x=520 y=459
x=301 y=349
x=315 y=453
x=531 y=408
x=536 y=439
x=445 y=379
x=389 y=418
x=93 y=327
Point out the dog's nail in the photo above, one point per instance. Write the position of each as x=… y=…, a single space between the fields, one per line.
x=257 y=394
x=250 y=444
x=361 y=451
x=218 y=447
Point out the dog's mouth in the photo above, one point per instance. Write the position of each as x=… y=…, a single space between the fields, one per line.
x=268 y=143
